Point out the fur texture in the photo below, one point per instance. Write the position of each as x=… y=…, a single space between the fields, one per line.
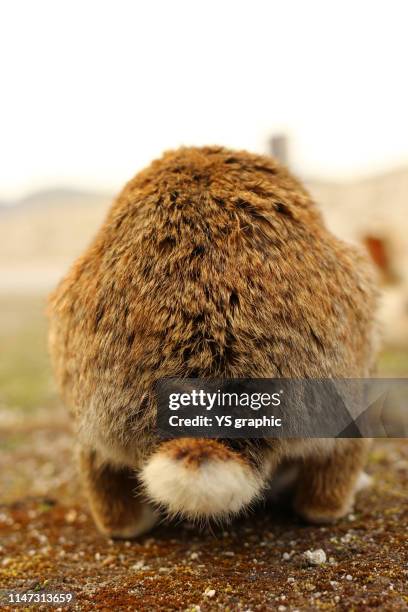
x=211 y=263
x=201 y=480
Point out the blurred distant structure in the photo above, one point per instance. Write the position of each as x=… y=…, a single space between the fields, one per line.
x=373 y=213
x=279 y=147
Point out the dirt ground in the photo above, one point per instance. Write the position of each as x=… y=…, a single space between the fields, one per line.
x=49 y=543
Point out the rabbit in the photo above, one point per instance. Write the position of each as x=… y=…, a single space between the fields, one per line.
x=210 y=263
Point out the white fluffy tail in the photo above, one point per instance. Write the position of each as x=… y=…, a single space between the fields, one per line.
x=200 y=479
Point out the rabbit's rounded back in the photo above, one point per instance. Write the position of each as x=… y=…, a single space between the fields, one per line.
x=210 y=263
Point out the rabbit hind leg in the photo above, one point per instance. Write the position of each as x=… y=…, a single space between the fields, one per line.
x=326 y=486
x=113 y=494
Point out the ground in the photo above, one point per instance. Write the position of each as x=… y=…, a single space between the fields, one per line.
x=49 y=543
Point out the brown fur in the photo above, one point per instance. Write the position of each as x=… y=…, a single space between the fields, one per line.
x=196 y=451
x=112 y=495
x=211 y=263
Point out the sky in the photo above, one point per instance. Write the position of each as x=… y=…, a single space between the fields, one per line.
x=91 y=91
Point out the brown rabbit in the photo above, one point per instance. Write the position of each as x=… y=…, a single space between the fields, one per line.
x=211 y=263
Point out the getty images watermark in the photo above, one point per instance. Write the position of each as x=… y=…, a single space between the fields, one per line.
x=282 y=408
x=209 y=401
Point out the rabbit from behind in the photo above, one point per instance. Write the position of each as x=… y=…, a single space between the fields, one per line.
x=210 y=263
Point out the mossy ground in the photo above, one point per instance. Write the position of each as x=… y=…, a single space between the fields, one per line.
x=48 y=540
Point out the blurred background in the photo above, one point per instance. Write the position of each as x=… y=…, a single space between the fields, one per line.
x=91 y=92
